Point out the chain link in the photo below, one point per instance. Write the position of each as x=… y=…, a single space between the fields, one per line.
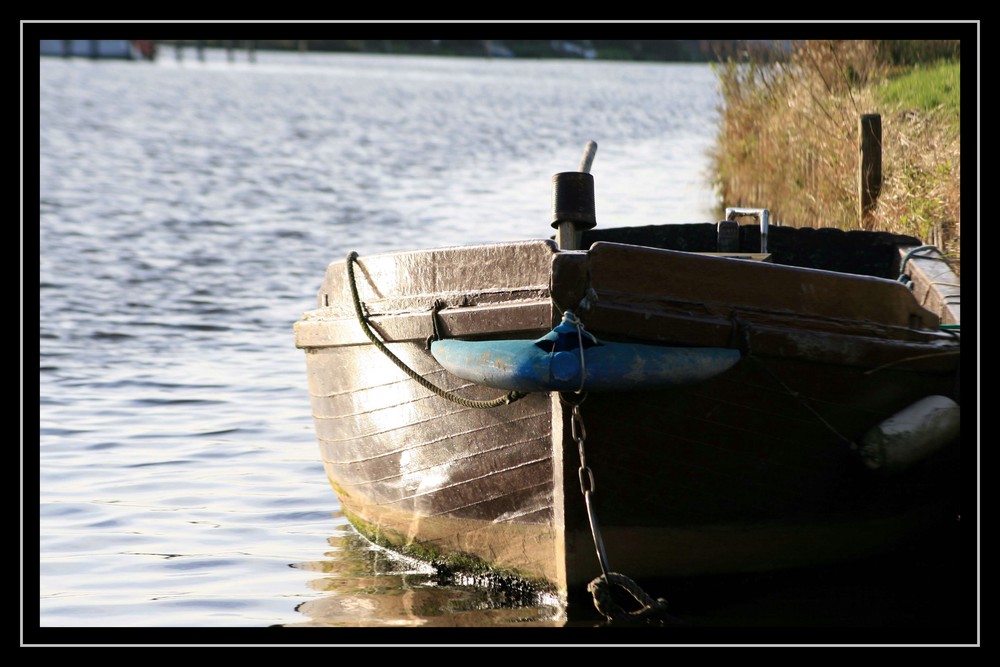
x=601 y=587
x=587 y=483
x=586 y=475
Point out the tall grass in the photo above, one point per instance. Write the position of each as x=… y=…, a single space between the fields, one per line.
x=789 y=135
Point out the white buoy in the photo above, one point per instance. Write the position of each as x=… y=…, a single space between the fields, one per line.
x=912 y=434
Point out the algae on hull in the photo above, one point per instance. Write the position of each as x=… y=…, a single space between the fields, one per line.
x=451 y=567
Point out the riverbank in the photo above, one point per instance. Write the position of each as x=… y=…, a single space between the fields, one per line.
x=789 y=137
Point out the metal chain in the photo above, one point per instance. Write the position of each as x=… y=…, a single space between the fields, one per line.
x=587 y=484
x=600 y=587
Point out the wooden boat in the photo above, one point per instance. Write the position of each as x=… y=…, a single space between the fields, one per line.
x=824 y=427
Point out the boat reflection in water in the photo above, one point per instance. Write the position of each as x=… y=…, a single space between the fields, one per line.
x=369 y=586
x=910 y=591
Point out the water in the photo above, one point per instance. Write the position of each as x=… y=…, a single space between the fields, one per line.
x=187 y=213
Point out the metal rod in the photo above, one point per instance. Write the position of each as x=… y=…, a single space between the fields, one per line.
x=761 y=214
x=569 y=233
x=589 y=151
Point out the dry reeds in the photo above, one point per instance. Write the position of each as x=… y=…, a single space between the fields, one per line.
x=789 y=141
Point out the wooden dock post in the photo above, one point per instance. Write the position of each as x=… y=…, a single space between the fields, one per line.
x=869 y=164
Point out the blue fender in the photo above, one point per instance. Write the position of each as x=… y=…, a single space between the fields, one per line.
x=554 y=362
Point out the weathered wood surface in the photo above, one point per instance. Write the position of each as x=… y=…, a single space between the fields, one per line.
x=764 y=451
x=726 y=286
x=467 y=275
x=856 y=252
x=749 y=471
x=869 y=164
x=473 y=290
x=416 y=469
x=527 y=318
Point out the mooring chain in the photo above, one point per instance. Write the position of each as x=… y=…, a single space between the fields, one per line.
x=601 y=587
x=587 y=484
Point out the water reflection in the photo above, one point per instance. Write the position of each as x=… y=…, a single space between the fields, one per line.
x=899 y=597
x=368 y=586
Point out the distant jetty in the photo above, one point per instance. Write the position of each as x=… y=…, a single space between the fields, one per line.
x=120 y=49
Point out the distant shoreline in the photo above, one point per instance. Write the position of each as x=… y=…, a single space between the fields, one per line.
x=628 y=50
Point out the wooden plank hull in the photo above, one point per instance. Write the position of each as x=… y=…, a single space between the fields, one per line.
x=739 y=474
x=753 y=470
x=414 y=469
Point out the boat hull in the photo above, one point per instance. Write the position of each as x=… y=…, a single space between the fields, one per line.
x=413 y=470
x=754 y=469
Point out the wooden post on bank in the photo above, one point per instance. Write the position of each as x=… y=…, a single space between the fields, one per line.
x=869 y=164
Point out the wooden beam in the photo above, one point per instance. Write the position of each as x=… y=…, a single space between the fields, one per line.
x=869 y=164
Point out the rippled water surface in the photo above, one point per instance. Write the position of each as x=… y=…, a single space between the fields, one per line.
x=187 y=213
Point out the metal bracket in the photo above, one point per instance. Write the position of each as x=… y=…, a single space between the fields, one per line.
x=761 y=214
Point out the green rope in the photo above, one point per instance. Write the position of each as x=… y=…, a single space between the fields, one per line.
x=913 y=251
x=903 y=277
x=506 y=399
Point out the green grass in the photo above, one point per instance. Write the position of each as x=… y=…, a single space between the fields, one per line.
x=926 y=88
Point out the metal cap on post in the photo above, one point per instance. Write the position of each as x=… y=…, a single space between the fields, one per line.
x=573 y=208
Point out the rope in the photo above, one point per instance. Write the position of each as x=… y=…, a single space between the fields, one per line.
x=575 y=321
x=506 y=399
x=600 y=588
x=803 y=402
x=934 y=355
x=903 y=277
x=914 y=251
